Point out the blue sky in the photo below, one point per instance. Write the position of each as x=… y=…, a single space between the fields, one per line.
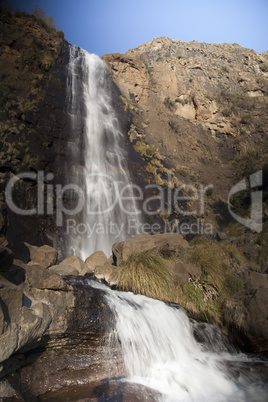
x=109 y=26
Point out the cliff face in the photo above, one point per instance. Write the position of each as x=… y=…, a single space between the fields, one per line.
x=201 y=109
x=33 y=120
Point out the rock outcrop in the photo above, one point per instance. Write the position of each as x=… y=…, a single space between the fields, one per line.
x=198 y=111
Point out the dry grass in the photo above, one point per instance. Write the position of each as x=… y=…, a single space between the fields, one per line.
x=148 y=274
x=210 y=259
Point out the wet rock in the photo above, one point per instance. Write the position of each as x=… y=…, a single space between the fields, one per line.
x=106 y=273
x=45 y=256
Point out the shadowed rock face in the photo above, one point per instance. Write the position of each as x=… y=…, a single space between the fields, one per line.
x=34 y=126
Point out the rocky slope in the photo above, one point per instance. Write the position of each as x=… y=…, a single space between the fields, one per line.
x=199 y=111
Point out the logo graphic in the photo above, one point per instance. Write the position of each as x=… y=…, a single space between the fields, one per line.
x=255 y=221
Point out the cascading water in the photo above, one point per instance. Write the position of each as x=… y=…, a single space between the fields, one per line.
x=110 y=214
x=160 y=351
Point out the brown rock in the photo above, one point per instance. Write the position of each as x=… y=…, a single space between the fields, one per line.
x=71 y=266
x=106 y=273
x=167 y=244
x=45 y=256
x=182 y=271
x=257 y=280
x=42 y=278
x=96 y=259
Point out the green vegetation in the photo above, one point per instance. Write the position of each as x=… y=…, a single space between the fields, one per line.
x=209 y=259
x=246 y=163
x=61 y=34
x=150 y=70
x=209 y=192
x=44 y=20
x=181 y=171
x=146 y=150
x=168 y=103
x=227 y=112
x=174 y=124
x=245 y=119
x=238 y=101
x=148 y=274
x=206 y=296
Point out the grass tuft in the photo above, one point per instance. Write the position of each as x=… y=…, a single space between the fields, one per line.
x=148 y=274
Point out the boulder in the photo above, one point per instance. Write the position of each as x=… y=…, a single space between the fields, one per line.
x=45 y=256
x=167 y=244
x=106 y=273
x=257 y=280
x=64 y=270
x=182 y=271
x=257 y=306
x=96 y=259
x=71 y=266
x=42 y=278
x=19 y=325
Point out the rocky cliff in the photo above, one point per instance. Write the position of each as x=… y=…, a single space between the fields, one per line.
x=199 y=112
x=33 y=126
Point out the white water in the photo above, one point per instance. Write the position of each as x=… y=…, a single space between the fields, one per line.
x=160 y=351
x=103 y=173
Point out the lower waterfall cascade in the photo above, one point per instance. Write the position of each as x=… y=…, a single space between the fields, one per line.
x=160 y=351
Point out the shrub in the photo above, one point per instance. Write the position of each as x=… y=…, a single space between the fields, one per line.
x=61 y=34
x=232 y=285
x=147 y=150
x=148 y=274
x=174 y=124
x=150 y=70
x=181 y=171
x=246 y=163
x=46 y=21
x=46 y=62
x=227 y=112
x=168 y=102
x=245 y=119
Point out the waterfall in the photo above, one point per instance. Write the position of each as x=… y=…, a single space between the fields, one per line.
x=160 y=351
x=109 y=214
